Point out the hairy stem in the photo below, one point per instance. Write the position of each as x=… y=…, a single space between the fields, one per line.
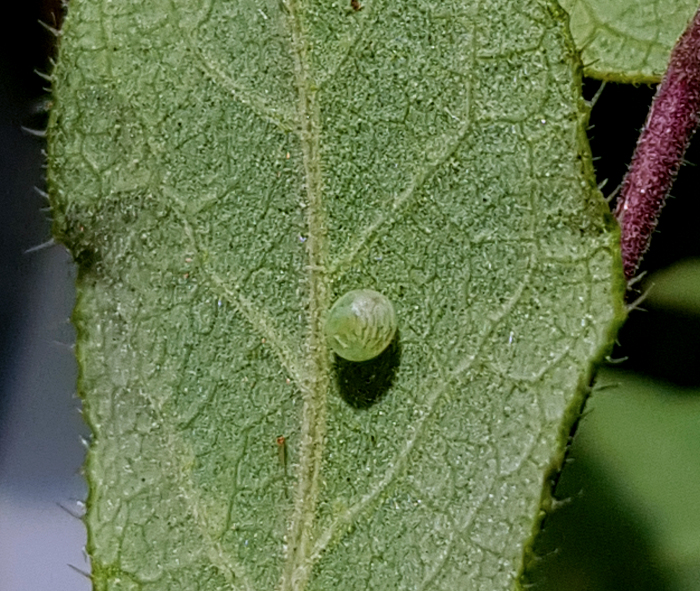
x=671 y=123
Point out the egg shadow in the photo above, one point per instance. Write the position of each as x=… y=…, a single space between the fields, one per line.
x=364 y=383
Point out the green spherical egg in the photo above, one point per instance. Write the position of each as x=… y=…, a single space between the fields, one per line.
x=360 y=325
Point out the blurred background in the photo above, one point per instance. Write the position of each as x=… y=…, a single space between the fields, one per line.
x=629 y=511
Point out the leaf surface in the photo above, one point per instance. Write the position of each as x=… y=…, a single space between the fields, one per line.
x=223 y=172
x=627 y=40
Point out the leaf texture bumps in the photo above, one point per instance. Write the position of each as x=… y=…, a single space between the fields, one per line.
x=222 y=172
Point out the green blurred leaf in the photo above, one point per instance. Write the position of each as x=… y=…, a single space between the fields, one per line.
x=676 y=288
x=627 y=40
x=223 y=172
x=646 y=437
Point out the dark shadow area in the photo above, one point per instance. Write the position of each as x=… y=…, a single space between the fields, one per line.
x=363 y=384
x=663 y=344
x=615 y=122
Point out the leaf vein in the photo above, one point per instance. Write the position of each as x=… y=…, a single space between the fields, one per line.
x=279 y=116
x=296 y=569
x=256 y=317
x=176 y=446
x=386 y=219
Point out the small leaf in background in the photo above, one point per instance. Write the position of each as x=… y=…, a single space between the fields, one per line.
x=223 y=172
x=627 y=40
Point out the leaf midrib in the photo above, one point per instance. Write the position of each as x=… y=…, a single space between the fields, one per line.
x=297 y=564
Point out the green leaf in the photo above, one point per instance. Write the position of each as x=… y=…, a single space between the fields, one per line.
x=627 y=40
x=223 y=172
x=644 y=437
x=676 y=288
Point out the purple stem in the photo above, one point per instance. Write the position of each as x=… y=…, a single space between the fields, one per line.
x=670 y=125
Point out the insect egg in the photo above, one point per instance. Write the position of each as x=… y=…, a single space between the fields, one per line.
x=360 y=325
